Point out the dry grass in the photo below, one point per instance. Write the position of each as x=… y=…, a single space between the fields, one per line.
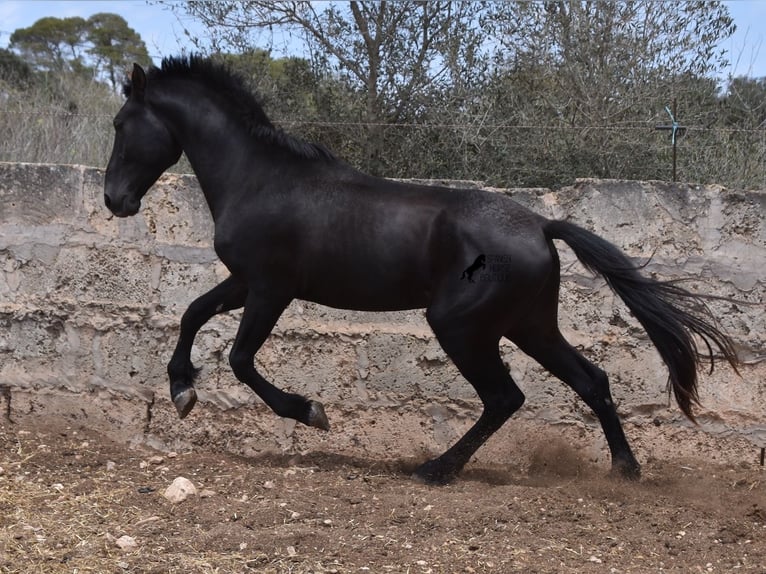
x=68 y=120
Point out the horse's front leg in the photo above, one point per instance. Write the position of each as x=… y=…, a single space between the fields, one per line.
x=262 y=310
x=227 y=295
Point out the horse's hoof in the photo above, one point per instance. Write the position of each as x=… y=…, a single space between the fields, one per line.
x=434 y=474
x=627 y=470
x=317 y=417
x=185 y=401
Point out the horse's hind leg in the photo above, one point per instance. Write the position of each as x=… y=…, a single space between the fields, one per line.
x=554 y=353
x=478 y=359
x=226 y=296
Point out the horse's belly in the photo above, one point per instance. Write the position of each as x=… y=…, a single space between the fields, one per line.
x=362 y=291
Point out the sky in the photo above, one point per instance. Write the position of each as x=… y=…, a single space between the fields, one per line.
x=163 y=31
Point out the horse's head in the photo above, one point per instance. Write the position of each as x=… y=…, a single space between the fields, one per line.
x=143 y=149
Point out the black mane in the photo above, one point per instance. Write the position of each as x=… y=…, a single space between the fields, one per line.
x=241 y=101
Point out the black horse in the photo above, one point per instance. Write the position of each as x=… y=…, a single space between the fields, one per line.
x=292 y=221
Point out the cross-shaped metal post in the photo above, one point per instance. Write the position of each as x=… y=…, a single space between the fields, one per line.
x=676 y=130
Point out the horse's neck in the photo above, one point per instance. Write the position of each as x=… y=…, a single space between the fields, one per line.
x=210 y=139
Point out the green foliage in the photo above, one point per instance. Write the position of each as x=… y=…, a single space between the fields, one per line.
x=287 y=86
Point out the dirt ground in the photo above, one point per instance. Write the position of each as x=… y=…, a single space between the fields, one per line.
x=70 y=498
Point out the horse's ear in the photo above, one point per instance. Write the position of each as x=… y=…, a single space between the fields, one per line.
x=137 y=83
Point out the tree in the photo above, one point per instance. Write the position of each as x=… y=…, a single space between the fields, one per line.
x=286 y=86
x=100 y=45
x=609 y=69
x=397 y=55
x=114 y=45
x=52 y=44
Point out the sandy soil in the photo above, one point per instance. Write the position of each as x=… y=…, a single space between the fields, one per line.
x=69 y=498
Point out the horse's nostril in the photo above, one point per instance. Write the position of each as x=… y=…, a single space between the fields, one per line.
x=107 y=201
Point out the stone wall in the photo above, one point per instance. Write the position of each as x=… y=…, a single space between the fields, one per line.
x=89 y=307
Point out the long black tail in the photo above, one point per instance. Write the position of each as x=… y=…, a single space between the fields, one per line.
x=670 y=314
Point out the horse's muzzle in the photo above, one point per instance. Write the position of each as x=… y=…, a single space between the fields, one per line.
x=122 y=207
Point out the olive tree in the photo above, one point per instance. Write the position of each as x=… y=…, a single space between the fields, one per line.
x=602 y=72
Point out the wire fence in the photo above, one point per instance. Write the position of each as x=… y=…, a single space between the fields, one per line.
x=504 y=154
